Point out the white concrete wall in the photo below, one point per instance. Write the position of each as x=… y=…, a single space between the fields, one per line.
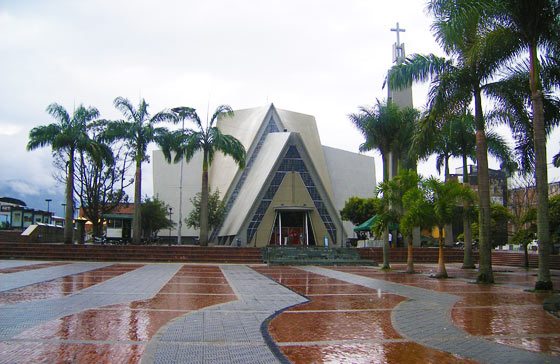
x=166 y=187
x=351 y=174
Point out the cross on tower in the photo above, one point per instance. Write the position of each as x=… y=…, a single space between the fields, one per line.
x=398 y=48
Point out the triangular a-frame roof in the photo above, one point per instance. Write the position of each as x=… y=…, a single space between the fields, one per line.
x=250 y=126
x=258 y=180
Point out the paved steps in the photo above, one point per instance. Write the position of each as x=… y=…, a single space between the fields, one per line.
x=455 y=255
x=303 y=255
x=516 y=259
x=421 y=255
x=10 y=236
x=131 y=253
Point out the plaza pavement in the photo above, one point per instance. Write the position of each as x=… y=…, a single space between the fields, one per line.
x=64 y=312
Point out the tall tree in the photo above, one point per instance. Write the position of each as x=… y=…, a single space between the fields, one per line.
x=532 y=25
x=68 y=135
x=388 y=129
x=459 y=29
x=208 y=139
x=101 y=180
x=138 y=131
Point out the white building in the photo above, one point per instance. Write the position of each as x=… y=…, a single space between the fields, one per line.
x=290 y=192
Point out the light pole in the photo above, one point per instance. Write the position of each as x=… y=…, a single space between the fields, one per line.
x=181 y=113
x=64 y=211
x=48 y=204
x=170 y=222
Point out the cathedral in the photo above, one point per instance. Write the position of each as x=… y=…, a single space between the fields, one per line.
x=290 y=192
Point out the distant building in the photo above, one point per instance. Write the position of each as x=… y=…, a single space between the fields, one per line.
x=14 y=214
x=521 y=199
x=291 y=190
x=498 y=183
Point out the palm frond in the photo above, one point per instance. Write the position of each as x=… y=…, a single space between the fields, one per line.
x=59 y=113
x=222 y=110
x=125 y=107
x=41 y=136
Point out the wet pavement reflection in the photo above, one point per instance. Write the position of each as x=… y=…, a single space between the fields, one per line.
x=64 y=286
x=117 y=333
x=378 y=353
x=342 y=322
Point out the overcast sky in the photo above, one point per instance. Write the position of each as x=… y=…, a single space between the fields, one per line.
x=319 y=57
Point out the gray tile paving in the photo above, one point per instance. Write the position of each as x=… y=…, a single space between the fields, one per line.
x=426 y=319
x=140 y=284
x=226 y=333
x=5 y=264
x=25 y=278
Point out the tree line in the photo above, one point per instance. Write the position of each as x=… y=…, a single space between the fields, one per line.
x=505 y=50
x=103 y=151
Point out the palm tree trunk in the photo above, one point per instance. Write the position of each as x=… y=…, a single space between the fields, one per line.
x=69 y=211
x=468 y=262
x=544 y=281
x=386 y=163
x=442 y=272
x=448 y=227
x=137 y=223
x=394 y=165
x=409 y=258
x=485 y=273
x=386 y=247
x=204 y=203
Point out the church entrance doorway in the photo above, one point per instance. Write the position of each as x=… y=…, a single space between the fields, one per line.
x=292 y=227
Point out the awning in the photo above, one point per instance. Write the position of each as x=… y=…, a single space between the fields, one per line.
x=366 y=226
x=118 y=216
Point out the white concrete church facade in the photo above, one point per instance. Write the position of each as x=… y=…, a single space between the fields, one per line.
x=290 y=192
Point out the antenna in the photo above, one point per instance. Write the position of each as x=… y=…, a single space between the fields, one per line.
x=207 y=110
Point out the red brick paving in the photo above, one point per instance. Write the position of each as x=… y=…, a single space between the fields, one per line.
x=343 y=323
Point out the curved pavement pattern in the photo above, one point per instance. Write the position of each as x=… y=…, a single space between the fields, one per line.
x=228 y=333
x=141 y=284
x=426 y=319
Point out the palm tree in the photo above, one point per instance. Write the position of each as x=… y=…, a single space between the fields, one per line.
x=208 y=139
x=454 y=135
x=388 y=129
x=394 y=194
x=458 y=28
x=443 y=198
x=138 y=131
x=530 y=24
x=69 y=135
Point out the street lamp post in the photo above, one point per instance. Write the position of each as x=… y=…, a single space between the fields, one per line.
x=64 y=211
x=48 y=210
x=170 y=221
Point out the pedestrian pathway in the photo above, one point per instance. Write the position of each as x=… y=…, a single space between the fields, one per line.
x=426 y=319
x=227 y=333
x=28 y=277
x=142 y=283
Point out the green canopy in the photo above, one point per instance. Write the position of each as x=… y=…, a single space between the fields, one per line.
x=118 y=216
x=366 y=226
